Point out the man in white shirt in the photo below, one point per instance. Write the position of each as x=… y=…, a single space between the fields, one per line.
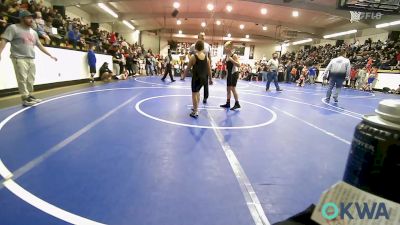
x=339 y=70
x=272 y=74
x=207 y=51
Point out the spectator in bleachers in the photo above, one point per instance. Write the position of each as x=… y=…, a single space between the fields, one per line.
x=39 y=26
x=74 y=37
x=13 y=13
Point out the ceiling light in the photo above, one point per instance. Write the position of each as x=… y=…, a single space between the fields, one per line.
x=247 y=36
x=176 y=5
x=229 y=35
x=295 y=13
x=128 y=24
x=78 y=6
x=395 y=23
x=265 y=28
x=340 y=34
x=229 y=8
x=108 y=10
x=302 y=42
x=263 y=11
x=218 y=22
x=382 y=25
x=241 y=26
x=179 y=22
x=203 y=24
x=180 y=32
x=210 y=7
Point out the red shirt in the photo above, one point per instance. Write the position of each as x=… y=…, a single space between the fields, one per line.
x=353 y=73
x=398 y=57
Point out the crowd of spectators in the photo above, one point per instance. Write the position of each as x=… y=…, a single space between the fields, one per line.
x=382 y=55
x=57 y=30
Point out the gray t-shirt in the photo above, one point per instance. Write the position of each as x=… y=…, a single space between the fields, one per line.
x=207 y=49
x=23 y=41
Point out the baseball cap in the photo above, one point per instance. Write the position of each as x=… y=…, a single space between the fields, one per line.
x=24 y=13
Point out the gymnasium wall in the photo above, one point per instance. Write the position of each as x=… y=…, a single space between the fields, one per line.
x=150 y=41
x=105 y=26
x=75 y=12
x=373 y=33
x=71 y=65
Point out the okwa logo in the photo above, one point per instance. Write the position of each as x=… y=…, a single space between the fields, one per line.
x=363 y=211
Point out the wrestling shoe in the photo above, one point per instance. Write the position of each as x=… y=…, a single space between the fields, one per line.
x=236 y=106
x=227 y=105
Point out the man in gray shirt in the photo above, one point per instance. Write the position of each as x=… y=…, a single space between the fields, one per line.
x=23 y=40
x=339 y=70
x=272 y=75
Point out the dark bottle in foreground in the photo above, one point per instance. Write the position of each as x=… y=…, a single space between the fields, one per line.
x=373 y=164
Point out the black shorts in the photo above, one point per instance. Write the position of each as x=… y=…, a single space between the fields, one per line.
x=198 y=83
x=232 y=79
x=93 y=69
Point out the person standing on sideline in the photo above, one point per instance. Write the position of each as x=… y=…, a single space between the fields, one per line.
x=168 y=67
x=232 y=64
x=339 y=70
x=201 y=71
x=312 y=74
x=207 y=51
x=23 y=39
x=92 y=62
x=362 y=74
x=288 y=71
x=272 y=75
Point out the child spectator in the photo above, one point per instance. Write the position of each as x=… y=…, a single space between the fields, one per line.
x=92 y=62
x=353 y=77
x=293 y=72
x=361 y=76
x=371 y=78
x=312 y=72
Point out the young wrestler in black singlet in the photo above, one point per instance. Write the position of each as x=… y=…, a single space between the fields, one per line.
x=232 y=65
x=201 y=70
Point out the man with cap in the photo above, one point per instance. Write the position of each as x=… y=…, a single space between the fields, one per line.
x=207 y=51
x=23 y=39
x=339 y=70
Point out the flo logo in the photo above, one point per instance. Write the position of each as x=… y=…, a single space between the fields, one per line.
x=363 y=211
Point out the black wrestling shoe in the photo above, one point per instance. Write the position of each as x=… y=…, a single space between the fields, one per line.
x=236 y=106
x=194 y=114
x=173 y=80
x=205 y=101
x=227 y=105
x=335 y=99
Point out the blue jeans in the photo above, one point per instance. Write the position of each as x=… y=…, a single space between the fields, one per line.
x=149 y=70
x=272 y=76
x=334 y=81
x=288 y=77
